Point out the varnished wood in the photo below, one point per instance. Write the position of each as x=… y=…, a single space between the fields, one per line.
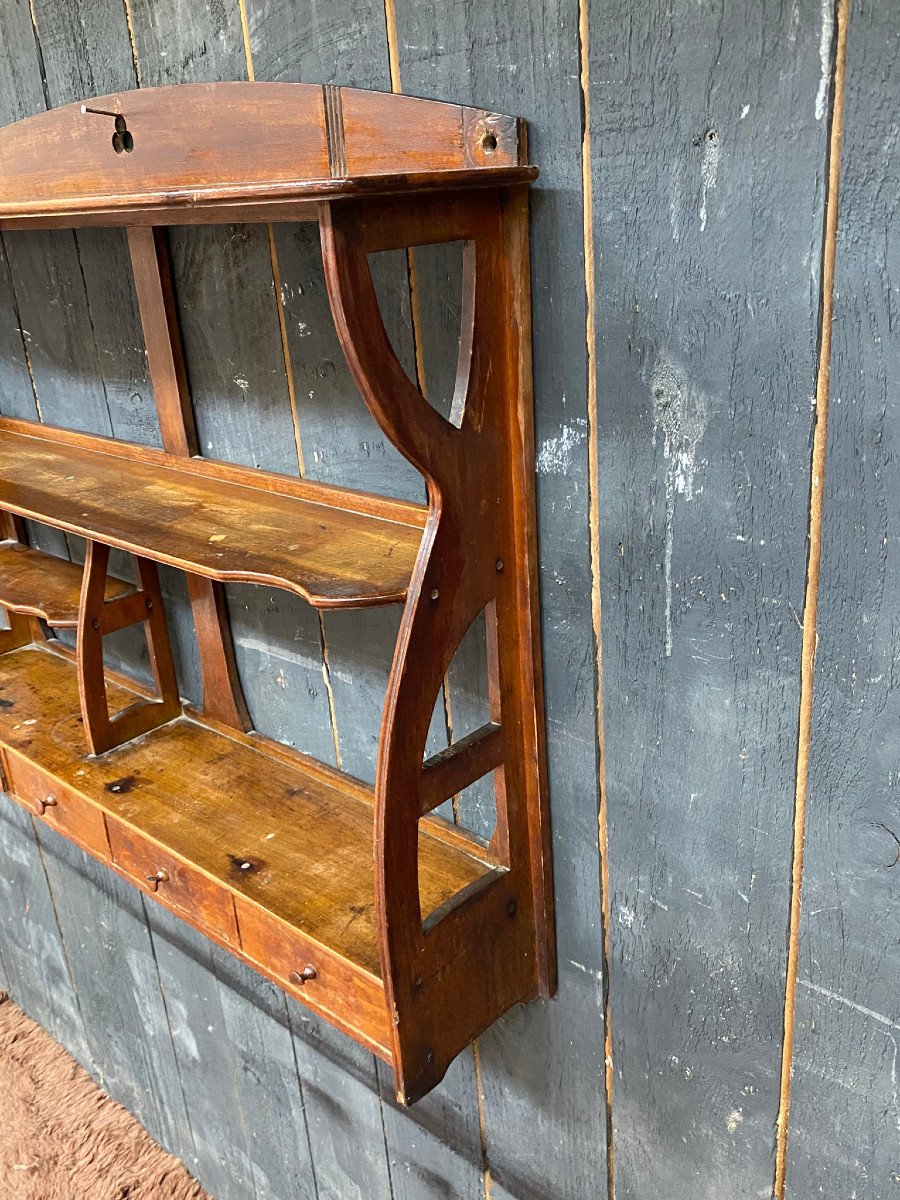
x=201 y=146
x=152 y=270
x=388 y=508
x=224 y=531
x=267 y=852
x=98 y=617
x=42 y=585
x=478 y=552
x=193 y=798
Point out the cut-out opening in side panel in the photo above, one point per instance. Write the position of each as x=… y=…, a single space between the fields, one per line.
x=341 y=441
x=434 y=350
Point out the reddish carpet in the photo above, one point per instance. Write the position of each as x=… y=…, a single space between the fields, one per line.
x=61 y=1138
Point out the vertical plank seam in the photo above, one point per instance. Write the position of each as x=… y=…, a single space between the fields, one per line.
x=39 y=52
x=134 y=54
x=379 y=1089
x=62 y=940
x=323 y=641
x=276 y=270
x=150 y=933
x=587 y=190
x=292 y=1035
x=811 y=599
x=29 y=367
x=90 y=317
x=393 y=47
x=292 y=395
x=162 y=992
x=211 y=966
x=45 y=87
x=329 y=689
x=393 y=52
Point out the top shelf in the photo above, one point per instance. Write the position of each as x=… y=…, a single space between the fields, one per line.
x=197 y=153
x=336 y=549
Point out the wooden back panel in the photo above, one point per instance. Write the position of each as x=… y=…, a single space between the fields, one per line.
x=196 y=143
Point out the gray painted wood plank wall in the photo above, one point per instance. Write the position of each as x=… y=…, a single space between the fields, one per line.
x=705 y=132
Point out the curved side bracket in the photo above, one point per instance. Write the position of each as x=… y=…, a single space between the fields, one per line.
x=489 y=947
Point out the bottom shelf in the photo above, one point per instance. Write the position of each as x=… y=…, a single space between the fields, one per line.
x=271 y=859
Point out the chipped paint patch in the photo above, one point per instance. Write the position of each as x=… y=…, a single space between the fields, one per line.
x=278 y=652
x=826 y=35
x=681 y=414
x=709 y=171
x=735 y=1118
x=555 y=454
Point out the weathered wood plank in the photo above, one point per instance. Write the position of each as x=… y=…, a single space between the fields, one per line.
x=237 y=1068
x=526 y=61
x=229 y=315
x=343 y=1111
x=845 y=1110
x=16 y=395
x=73 y=293
x=111 y=959
x=707 y=178
x=34 y=957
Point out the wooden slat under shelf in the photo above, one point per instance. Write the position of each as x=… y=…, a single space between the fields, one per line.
x=291 y=843
x=42 y=585
x=334 y=557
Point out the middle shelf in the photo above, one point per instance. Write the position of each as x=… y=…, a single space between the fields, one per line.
x=335 y=548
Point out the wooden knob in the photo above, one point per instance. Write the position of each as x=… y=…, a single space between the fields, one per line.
x=304 y=976
x=41 y=806
x=161 y=876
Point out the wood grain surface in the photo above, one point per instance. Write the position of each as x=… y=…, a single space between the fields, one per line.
x=45 y=586
x=222 y=530
x=739 y=298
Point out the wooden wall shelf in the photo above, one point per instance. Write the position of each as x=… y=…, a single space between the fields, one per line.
x=400 y=928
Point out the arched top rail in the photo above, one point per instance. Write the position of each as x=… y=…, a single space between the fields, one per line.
x=195 y=153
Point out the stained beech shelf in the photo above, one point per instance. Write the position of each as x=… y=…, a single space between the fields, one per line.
x=42 y=585
x=331 y=556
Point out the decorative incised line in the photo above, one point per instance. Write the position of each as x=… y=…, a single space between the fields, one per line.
x=334 y=131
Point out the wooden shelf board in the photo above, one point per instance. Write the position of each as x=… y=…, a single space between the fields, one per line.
x=42 y=585
x=331 y=556
x=219 y=803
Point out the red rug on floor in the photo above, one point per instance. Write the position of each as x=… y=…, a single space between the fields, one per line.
x=61 y=1138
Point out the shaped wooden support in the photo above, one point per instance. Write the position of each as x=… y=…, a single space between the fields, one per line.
x=478 y=552
x=99 y=617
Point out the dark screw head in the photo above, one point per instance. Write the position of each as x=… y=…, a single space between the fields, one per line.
x=499 y=564
x=417 y=982
x=95 y=624
x=512 y=908
x=429 y=1056
x=434 y=593
x=148 y=604
x=301 y=977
